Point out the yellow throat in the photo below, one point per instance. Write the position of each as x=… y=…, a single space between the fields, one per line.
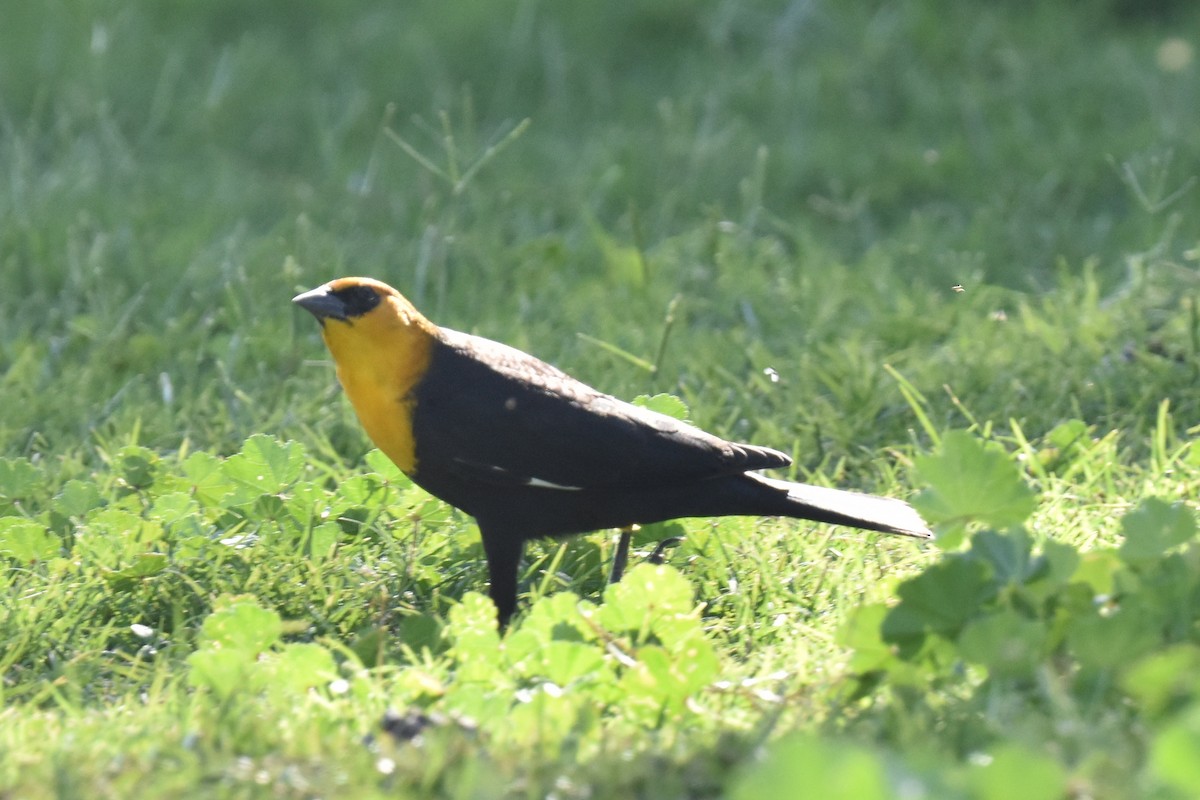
x=381 y=356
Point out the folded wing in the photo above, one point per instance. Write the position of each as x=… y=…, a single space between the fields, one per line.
x=488 y=412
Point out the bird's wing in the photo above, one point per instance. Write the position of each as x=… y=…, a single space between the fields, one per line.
x=489 y=412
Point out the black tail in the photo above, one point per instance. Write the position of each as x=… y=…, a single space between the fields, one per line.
x=839 y=507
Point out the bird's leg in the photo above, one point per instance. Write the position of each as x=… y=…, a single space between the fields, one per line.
x=621 y=556
x=503 y=551
x=660 y=553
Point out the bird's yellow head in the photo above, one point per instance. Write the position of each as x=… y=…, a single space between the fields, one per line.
x=362 y=318
x=381 y=346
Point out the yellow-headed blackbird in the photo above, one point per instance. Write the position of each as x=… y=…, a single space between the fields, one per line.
x=531 y=452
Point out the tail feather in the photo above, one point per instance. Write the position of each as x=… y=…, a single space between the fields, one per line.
x=838 y=506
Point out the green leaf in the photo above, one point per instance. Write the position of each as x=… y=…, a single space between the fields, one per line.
x=647 y=594
x=128 y=532
x=803 y=767
x=862 y=633
x=77 y=498
x=558 y=616
x=1014 y=771
x=1153 y=528
x=667 y=404
x=417 y=631
x=1050 y=572
x=370 y=644
x=206 y=474
x=1173 y=754
x=671 y=676
x=1009 y=554
x=1008 y=644
x=321 y=541
x=1165 y=678
x=173 y=507
x=27 y=541
x=472 y=628
x=564 y=662
x=939 y=600
x=695 y=663
x=1098 y=570
x=1062 y=561
x=364 y=490
x=241 y=625
x=299 y=666
x=136 y=466
x=266 y=507
x=18 y=478
x=222 y=671
x=303 y=505
x=544 y=713
x=378 y=463
x=971 y=480
x=266 y=464
x=1113 y=640
x=145 y=565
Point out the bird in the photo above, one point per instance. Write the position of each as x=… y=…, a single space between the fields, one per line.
x=532 y=453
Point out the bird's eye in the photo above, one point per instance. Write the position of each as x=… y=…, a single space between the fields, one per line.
x=358 y=300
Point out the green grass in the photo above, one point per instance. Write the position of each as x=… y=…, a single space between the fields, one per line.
x=658 y=197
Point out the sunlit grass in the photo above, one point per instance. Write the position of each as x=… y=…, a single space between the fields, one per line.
x=840 y=230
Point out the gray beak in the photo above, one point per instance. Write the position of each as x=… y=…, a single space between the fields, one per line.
x=322 y=304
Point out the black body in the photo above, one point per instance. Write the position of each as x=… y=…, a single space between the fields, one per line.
x=531 y=452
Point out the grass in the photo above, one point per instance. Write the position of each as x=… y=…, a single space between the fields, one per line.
x=762 y=208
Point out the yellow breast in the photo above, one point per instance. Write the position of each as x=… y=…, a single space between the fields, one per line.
x=380 y=357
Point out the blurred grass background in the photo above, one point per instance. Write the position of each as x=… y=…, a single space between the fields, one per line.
x=814 y=219
x=810 y=179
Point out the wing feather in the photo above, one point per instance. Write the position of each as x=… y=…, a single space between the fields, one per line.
x=490 y=412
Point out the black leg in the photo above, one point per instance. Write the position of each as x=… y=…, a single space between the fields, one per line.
x=503 y=556
x=621 y=557
x=659 y=555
